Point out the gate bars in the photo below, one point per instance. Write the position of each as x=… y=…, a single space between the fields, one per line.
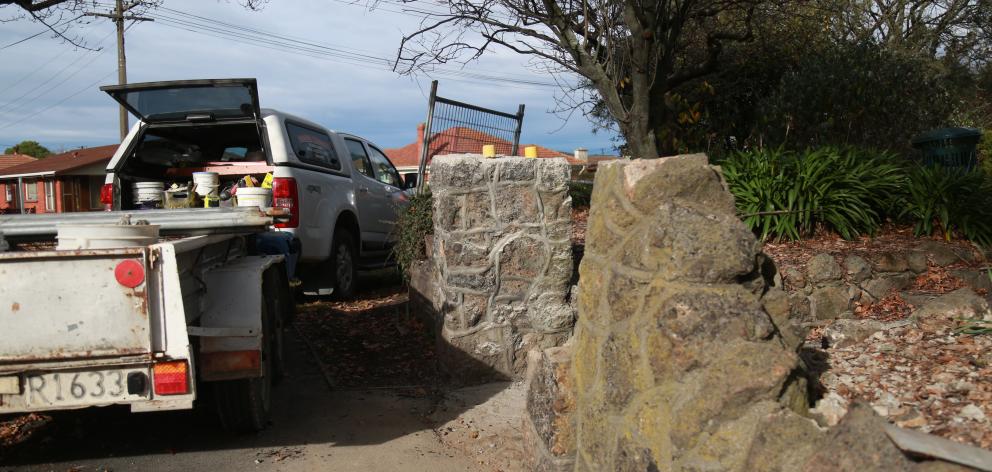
x=465 y=128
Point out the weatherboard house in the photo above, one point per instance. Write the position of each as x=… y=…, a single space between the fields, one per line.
x=60 y=183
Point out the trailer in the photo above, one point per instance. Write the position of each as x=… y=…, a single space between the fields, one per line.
x=147 y=325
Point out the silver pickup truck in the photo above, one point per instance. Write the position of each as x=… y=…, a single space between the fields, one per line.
x=342 y=191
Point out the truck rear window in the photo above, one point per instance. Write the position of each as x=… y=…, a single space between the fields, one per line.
x=312 y=146
x=186 y=146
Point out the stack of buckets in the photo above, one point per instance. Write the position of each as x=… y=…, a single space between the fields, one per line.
x=207 y=186
x=148 y=195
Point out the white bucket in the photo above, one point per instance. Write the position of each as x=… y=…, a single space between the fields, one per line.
x=148 y=191
x=207 y=183
x=254 y=197
x=105 y=236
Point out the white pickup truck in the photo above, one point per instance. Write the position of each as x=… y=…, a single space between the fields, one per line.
x=342 y=191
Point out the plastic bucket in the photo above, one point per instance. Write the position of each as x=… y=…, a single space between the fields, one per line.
x=254 y=197
x=105 y=236
x=207 y=183
x=148 y=191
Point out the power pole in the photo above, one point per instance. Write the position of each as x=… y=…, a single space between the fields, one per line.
x=119 y=17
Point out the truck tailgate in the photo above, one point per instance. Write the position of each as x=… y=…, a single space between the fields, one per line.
x=57 y=305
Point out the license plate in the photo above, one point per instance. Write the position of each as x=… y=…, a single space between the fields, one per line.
x=82 y=388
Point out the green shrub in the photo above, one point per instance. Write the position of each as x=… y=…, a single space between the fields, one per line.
x=581 y=193
x=949 y=201
x=787 y=195
x=413 y=224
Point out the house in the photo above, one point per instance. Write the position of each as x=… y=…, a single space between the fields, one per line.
x=457 y=140
x=10 y=160
x=65 y=182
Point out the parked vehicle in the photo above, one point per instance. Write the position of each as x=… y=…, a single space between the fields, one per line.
x=97 y=311
x=135 y=315
x=341 y=190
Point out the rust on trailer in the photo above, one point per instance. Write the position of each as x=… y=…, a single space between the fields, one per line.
x=60 y=354
x=15 y=307
x=227 y=365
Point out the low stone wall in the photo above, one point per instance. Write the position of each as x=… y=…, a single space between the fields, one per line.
x=685 y=352
x=502 y=262
x=827 y=287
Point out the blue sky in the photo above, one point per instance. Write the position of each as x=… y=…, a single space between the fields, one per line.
x=49 y=89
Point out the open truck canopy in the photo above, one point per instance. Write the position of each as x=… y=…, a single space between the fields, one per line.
x=189 y=100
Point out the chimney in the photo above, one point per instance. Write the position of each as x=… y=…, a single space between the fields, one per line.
x=420 y=140
x=582 y=155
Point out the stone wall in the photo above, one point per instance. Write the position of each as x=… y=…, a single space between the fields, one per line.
x=680 y=362
x=502 y=262
x=827 y=287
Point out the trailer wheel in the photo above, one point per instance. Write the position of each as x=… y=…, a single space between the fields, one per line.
x=344 y=265
x=244 y=405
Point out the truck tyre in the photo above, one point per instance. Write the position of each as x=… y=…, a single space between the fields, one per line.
x=244 y=405
x=344 y=265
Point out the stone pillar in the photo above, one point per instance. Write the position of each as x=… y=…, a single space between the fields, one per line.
x=682 y=359
x=502 y=262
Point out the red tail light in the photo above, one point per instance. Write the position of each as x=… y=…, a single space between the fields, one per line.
x=171 y=378
x=107 y=196
x=285 y=195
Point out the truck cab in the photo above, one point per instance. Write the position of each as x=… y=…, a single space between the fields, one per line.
x=341 y=191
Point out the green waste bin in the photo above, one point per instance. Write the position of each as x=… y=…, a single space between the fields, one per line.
x=949 y=147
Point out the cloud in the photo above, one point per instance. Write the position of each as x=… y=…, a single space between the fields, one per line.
x=355 y=95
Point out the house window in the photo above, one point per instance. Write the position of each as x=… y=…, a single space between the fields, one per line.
x=9 y=190
x=31 y=191
x=50 y=195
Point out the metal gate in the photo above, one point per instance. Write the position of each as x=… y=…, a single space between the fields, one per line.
x=465 y=128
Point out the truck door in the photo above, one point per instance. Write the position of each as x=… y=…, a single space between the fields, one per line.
x=368 y=195
x=389 y=190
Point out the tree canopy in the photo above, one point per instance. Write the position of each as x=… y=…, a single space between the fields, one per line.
x=30 y=148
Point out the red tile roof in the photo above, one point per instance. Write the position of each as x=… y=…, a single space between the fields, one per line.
x=461 y=140
x=60 y=163
x=10 y=160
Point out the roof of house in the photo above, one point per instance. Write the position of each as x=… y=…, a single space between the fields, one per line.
x=61 y=163
x=10 y=160
x=461 y=140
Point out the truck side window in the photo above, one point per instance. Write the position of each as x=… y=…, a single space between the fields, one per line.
x=384 y=170
x=359 y=159
x=313 y=146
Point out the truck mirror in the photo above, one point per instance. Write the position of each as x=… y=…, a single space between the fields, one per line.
x=409 y=181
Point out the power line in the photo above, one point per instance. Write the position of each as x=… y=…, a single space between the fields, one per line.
x=73 y=95
x=316 y=50
x=61 y=23
x=12 y=104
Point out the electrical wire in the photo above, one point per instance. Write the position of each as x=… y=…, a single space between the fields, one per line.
x=13 y=105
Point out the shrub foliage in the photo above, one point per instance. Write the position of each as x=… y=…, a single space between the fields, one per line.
x=413 y=224
x=788 y=195
x=949 y=201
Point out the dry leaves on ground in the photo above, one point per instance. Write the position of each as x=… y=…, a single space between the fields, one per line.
x=921 y=376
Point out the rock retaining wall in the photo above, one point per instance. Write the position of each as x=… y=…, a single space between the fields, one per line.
x=828 y=286
x=502 y=262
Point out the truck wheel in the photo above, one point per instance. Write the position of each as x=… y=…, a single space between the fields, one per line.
x=344 y=265
x=244 y=405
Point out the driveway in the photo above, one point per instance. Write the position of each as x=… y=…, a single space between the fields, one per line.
x=313 y=428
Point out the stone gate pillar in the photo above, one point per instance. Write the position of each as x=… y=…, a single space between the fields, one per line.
x=502 y=261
